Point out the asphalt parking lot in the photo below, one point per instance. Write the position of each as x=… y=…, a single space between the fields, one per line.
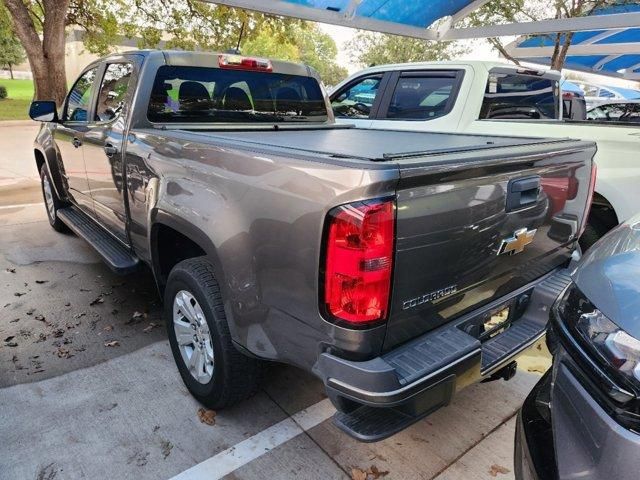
x=88 y=386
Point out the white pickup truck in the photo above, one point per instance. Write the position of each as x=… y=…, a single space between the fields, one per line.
x=499 y=99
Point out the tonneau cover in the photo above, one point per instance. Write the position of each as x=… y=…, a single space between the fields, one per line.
x=375 y=145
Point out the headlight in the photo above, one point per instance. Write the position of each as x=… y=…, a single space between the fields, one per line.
x=613 y=349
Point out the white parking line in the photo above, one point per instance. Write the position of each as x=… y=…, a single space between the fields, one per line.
x=248 y=450
x=20 y=205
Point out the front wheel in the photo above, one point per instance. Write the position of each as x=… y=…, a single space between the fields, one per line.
x=51 y=201
x=211 y=367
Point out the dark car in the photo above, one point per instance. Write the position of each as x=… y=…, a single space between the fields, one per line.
x=582 y=420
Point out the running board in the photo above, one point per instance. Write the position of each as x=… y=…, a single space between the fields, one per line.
x=115 y=254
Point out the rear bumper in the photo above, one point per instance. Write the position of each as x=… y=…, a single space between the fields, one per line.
x=419 y=377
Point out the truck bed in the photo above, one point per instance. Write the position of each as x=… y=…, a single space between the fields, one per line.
x=365 y=144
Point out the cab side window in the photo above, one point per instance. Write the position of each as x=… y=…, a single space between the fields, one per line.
x=79 y=98
x=113 y=91
x=425 y=97
x=357 y=99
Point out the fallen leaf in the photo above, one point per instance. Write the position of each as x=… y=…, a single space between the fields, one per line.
x=207 y=416
x=9 y=338
x=41 y=338
x=496 y=469
x=166 y=447
x=14 y=320
x=85 y=289
x=19 y=294
x=58 y=332
x=358 y=474
x=112 y=343
x=40 y=318
x=40 y=282
x=371 y=473
x=11 y=270
x=78 y=315
x=149 y=328
x=96 y=301
x=63 y=353
x=30 y=311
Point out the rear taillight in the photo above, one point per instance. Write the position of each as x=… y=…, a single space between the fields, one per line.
x=359 y=261
x=592 y=189
x=237 y=62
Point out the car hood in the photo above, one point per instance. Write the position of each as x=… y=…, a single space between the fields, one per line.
x=609 y=275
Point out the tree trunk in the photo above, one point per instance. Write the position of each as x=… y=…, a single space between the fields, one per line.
x=10 y=70
x=560 y=52
x=47 y=55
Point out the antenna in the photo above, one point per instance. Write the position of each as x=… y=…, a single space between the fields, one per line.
x=240 y=37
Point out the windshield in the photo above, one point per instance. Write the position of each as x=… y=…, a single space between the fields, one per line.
x=215 y=95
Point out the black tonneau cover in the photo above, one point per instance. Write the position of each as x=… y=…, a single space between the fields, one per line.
x=373 y=145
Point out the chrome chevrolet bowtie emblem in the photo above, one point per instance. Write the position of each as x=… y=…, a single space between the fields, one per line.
x=521 y=238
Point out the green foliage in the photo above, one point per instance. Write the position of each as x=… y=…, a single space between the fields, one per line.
x=11 y=51
x=3 y=92
x=306 y=43
x=369 y=48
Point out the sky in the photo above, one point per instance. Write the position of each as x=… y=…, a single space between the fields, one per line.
x=341 y=35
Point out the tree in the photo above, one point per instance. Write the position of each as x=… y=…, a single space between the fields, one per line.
x=187 y=24
x=11 y=52
x=306 y=44
x=369 y=49
x=509 y=11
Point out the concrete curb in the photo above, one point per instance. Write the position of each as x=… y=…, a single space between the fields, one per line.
x=16 y=123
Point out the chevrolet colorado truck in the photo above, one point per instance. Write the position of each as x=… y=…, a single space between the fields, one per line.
x=487 y=97
x=398 y=267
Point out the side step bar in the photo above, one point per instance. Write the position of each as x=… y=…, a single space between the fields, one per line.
x=116 y=256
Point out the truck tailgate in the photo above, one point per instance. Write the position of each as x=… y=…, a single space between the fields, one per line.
x=475 y=226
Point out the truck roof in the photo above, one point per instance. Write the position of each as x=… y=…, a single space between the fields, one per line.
x=474 y=64
x=210 y=60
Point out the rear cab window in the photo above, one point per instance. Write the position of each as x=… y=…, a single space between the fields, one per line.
x=514 y=95
x=183 y=94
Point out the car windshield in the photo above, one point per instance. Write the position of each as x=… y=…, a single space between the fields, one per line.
x=215 y=95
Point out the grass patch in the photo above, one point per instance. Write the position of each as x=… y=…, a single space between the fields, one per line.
x=16 y=106
x=18 y=89
x=11 y=109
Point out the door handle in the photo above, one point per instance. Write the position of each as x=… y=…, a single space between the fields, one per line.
x=76 y=142
x=522 y=193
x=110 y=150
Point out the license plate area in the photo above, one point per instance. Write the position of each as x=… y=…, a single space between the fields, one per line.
x=496 y=322
x=497 y=319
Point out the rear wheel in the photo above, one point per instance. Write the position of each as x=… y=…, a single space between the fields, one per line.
x=599 y=223
x=211 y=367
x=51 y=200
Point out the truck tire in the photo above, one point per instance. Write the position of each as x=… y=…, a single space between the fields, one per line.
x=594 y=231
x=211 y=367
x=51 y=201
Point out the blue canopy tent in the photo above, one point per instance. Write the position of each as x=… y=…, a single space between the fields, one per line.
x=426 y=19
x=611 y=51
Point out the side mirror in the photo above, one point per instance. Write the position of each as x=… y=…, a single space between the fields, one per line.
x=43 y=111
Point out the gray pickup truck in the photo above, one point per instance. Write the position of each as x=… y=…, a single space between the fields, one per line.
x=398 y=267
